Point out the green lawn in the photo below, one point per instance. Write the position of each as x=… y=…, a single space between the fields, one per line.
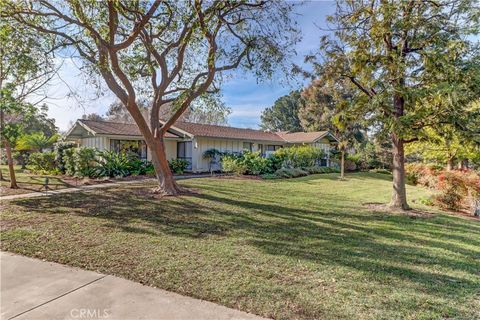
x=29 y=182
x=288 y=249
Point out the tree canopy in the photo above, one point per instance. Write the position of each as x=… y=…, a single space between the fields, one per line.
x=172 y=52
x=283 y=115
x=410 y=63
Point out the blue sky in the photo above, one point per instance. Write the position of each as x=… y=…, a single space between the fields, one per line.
x=244 y=94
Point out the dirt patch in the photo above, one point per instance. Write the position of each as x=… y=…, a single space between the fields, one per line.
x=384 y=208
x=150 y=193
x=74 y=182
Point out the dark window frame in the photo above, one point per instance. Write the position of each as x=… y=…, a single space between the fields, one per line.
x=142 y=149
x=250 y=146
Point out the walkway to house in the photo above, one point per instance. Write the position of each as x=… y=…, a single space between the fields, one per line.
x=34 y=289
x=93 y=186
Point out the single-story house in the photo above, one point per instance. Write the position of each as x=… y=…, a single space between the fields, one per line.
x=189 y=141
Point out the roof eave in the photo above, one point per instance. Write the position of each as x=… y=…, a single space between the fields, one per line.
x=83 y=125
x=182 y=132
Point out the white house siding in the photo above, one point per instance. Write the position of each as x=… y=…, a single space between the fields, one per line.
x=200 y=145
x=103 y=143
x=323 y=144
x=170 y=150
x=99 y=142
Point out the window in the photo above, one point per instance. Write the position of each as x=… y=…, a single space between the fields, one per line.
x=248 y=146
x=138 y=147
x=272 y=147
x=184 y=151
x=260 y=148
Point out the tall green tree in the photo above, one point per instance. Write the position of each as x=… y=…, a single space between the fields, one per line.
x=40 y=122
x=327 y=107
x=319 y=107
x=171 y=51
x=26 y=66
x=283 y=115
x=447 y=144
x=398 y=55
x=13 y=115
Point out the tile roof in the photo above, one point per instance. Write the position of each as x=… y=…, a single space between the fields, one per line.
x=116 y=128
x=206 y=130
x=213 y=131
x=302 y=137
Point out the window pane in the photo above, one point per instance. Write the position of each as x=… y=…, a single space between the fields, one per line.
x=137 y=147
x=247 y=146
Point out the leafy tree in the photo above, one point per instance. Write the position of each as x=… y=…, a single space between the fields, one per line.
x=34 y=122
x=40 y=122
x=26 y=65
x=283 y=115
x=171 y=51
x=208 y=109
x=410 y=62
x=327 y=108
x=319 y=108
x=93 y=116
x=12 y=114
x=444 y=144
x=36 y=142
x=118 y=112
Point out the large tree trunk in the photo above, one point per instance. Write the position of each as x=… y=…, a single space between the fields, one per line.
x=450 y=163
x=11 y=169
x=342 y=165
x=399 y=194
x=166 y=182
x=1 y=172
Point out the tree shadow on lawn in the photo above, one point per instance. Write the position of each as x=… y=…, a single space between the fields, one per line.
x=360 y=176
x=374 y=244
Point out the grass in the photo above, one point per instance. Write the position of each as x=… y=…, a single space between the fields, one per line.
x=302 y=248
x=29 y=182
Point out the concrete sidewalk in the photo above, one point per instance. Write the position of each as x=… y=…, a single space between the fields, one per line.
x=34 y=289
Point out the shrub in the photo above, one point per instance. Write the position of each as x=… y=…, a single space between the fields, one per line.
x=113 y=164
x=255 y=164
x=178 y=166
x=43 y=162
x=350 y=165
x=290 y=173
x=232 y=164
x=318 y=169
x=299 y=156
x=382 y=171
x=68 y=161
x=452 y=190
x=270 y=176
x=140 y=167
x=425 y=175
x=457 y=189
x=247 y=163
x=59 y=147
x=85 y=162
x=212 y=156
